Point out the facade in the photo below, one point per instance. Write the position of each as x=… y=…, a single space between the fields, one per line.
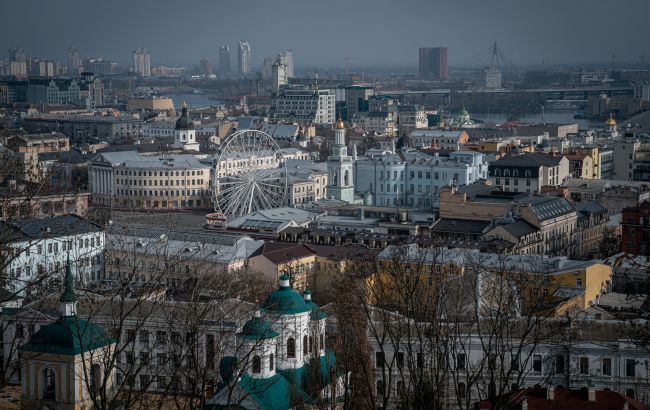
x=74 y=61
x=305 y=105
x=410 y=117
x=130 y=180
x=224 y=60
x=244 y=57
x=528 y=172
x=411 y=178
x=356 y=99
x=307 y=181
x=491 y=78
x=340 y=168
x=438 y=139
x=38 y=143
x=86 y=129
x=635 y=238
x=142 y=62
x=40 y=246
x=150 y=103
x=433 y=63
x=381 y=123
x=205 y=65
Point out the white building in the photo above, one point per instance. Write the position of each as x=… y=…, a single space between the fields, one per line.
x=244 y=57
x=128 y=179
x=39 y=248
x=184 y=132
x=381 y=122
x=340 y=168
x=279 y=76
x=307 y=181
x=305 y=105
x=286 y=58
x=142 y=62
x=412 y=178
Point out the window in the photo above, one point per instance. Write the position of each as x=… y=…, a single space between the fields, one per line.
x=380 y=388
x=461 y=391
x=291 y=348
x=579 y=282
x=420 y=360
x=257 y=364
x=162 y=359
x=584 y=365
x=514 y=362
x=607 y=366
x=144 y=381
x=400 y=360
x=537 y=363
x=162 y=382
x=559 y=364
x=161 y=337
x=630 y=368
x=129 y=358
x=144 y=358
x=460 y=361
x=144 y=336
x=379 y=359
x=271 y=364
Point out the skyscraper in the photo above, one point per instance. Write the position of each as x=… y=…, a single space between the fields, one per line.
x=206 y=66
x=433 y=63
x=17 y=62
x=224 y=59
x=74 y=62
x=142 y=62
x=286 y=58
x=279 y=75
x=244 y=57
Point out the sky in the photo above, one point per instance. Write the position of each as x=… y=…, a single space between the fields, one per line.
x=371 y=33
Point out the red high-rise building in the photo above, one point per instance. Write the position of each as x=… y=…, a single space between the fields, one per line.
x=635 y=237
x=433 y=63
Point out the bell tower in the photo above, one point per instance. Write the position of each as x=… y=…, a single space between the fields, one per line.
x=340 y=168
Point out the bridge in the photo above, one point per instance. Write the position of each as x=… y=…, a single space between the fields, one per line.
x=581 y=93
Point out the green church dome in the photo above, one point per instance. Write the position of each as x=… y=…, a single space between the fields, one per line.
x=257 y=329
x=68 y=336
x=285 y=300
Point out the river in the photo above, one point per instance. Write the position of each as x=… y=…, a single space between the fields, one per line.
x=193 y=100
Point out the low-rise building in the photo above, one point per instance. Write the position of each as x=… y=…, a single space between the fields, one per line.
x=36 y=250
x=439 y=139
x=528 y=172
x=85 y=129
x=635 y=238
x=300 y=103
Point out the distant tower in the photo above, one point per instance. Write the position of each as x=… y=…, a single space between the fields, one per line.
x=433 y=63
x=340 y=168
x=279 y=76
x=286 y=58
x=63 y=365
x=244 y=57
x=142 y=62
x=206 y=66
x=74 y=62
x=224 y=60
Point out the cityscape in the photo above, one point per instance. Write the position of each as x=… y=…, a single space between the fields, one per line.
x=283 y=205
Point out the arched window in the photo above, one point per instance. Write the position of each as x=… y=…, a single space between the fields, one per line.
x=629 y=393
x=49 y=384
x=346 y=178
x=461 y=391
x=515 y=173
x=291 y=348
x=497 y=172
x=322 y=342
x=305 y=346
x=271 y=364
x=506 y=172
x=257 y=364
x=312 y=347
x=527 y=173
x=380 y=388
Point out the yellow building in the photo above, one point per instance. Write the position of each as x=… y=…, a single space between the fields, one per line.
x=278 y=258
x=65 y=363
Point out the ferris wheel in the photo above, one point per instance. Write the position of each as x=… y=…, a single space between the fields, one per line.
x=249 y=174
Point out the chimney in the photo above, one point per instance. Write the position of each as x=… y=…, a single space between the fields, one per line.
x=550 y=393
x=592 y=394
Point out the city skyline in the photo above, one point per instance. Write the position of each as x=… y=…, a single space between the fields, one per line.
x=553 y=37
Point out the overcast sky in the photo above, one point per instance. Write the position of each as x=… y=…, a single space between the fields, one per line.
x=369 y=32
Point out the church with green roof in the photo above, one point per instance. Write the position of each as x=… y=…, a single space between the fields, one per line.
x=280 y=360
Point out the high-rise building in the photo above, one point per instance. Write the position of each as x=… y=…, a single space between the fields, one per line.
x=433 y=63
x=286 y=58
x=17 y=54
x=142 y=62
x=244 y=57
x=266 y=69
x=279 y=76
x=206 y=66
x=74 y=62
x=224 y=59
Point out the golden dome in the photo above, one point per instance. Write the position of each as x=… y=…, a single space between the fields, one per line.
x=339 y=124
x=610 y=121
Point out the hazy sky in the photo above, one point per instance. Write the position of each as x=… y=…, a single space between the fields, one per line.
x=324 y=32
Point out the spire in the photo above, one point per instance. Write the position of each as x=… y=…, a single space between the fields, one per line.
x=339 y=123
x=68 y=301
